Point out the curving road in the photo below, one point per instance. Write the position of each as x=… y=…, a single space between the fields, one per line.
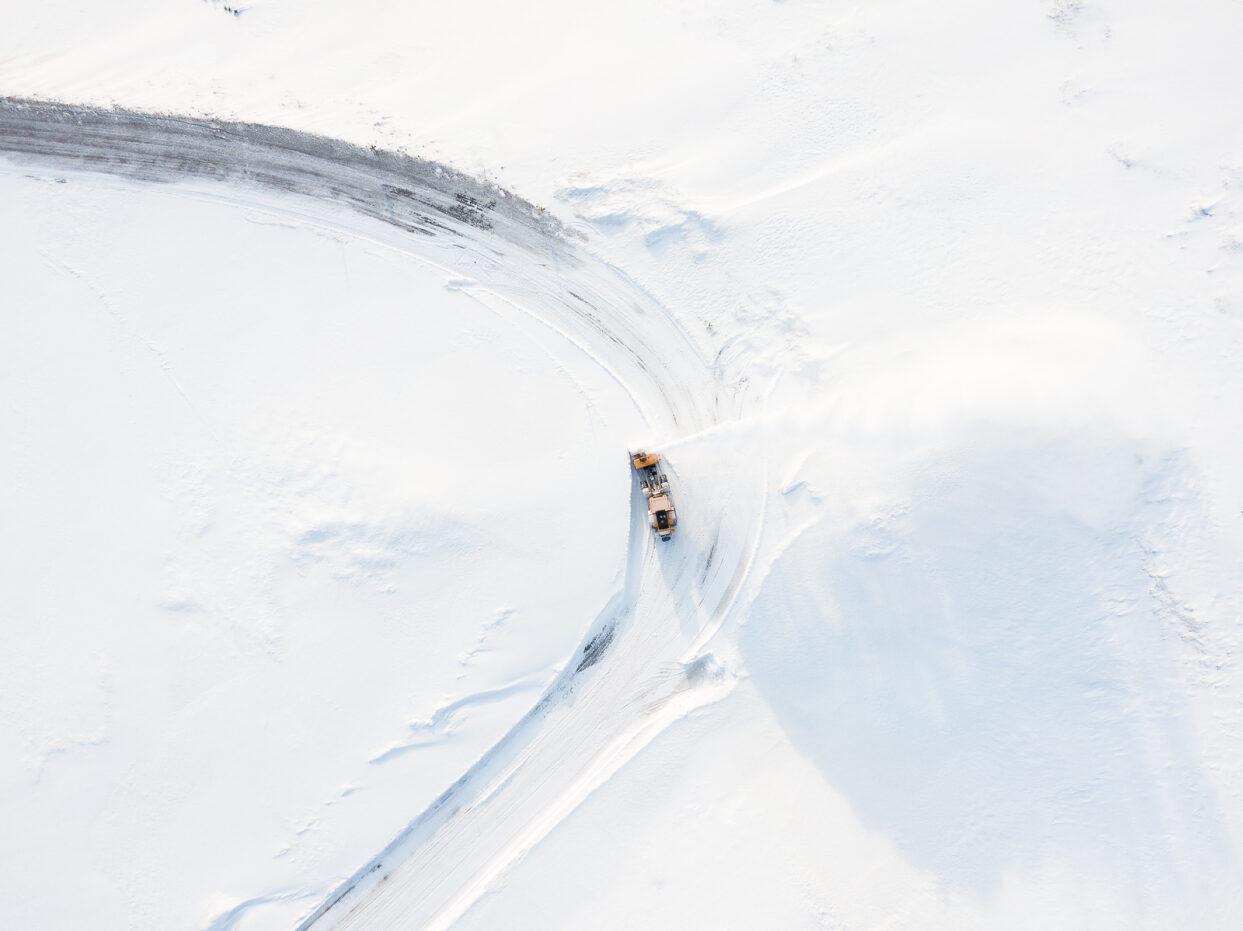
x=636 y=672
x=640 y=665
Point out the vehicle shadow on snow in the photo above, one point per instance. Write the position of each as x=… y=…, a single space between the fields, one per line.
x=991 y=682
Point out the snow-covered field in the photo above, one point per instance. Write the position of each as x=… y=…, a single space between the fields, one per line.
x=326 y=596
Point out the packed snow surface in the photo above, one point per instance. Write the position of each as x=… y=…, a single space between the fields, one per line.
x=327 y=595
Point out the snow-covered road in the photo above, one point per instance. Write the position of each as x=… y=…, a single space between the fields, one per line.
x=519 y=259
x=636 y=673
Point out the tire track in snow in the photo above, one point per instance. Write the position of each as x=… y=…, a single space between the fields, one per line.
x=461 y=225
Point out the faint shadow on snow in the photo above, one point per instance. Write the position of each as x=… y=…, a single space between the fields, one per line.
x=646 y=206
x=992 y=679
x=358 y=550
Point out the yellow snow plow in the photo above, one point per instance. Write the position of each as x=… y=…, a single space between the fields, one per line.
x=661 y=514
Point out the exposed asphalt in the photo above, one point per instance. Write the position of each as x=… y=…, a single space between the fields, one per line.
x=415 y=194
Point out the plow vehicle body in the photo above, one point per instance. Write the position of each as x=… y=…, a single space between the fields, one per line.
x=662 y=516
